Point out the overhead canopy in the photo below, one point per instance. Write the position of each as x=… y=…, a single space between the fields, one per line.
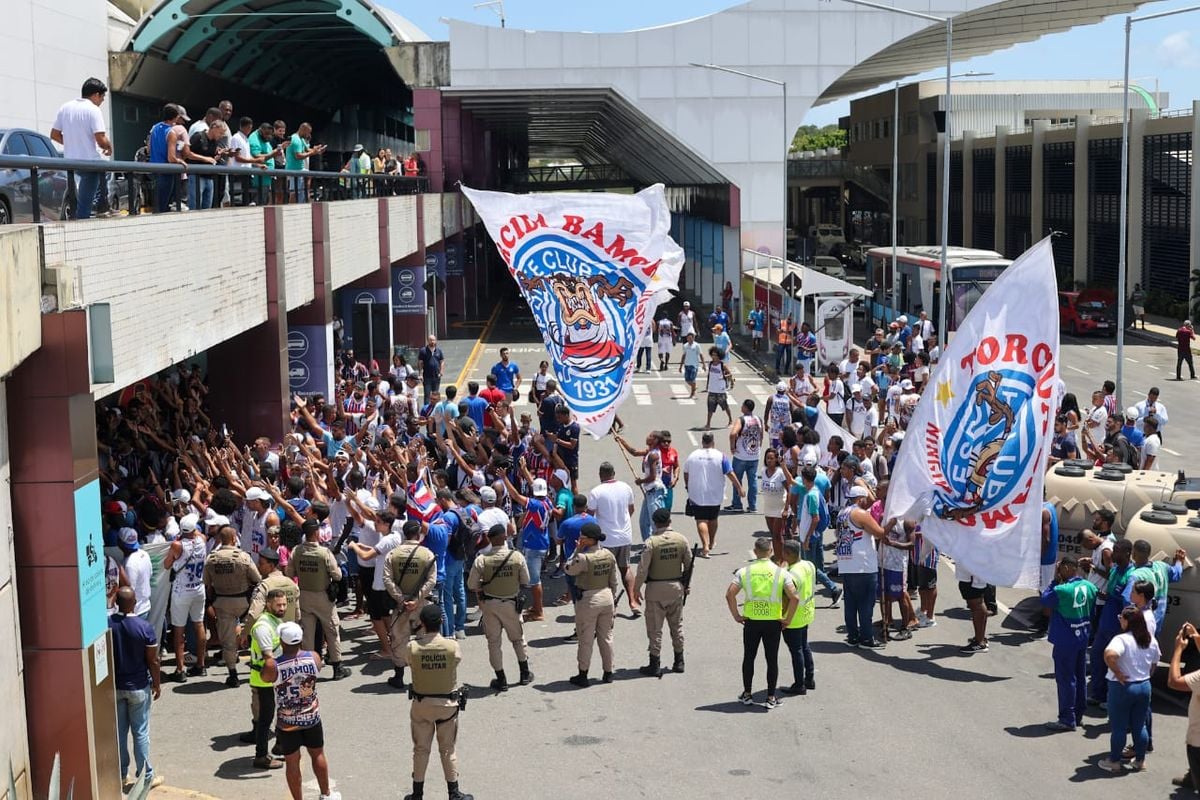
x=986 y=29
x=591 y=126
x=326 y=53
x=804 y=280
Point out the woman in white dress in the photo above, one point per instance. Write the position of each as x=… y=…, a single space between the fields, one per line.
x=772 y=491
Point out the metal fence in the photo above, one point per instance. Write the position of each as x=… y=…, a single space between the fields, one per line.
x=163 y=187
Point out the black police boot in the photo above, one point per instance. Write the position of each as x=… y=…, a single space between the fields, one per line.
x=810 y=683
x=232 y=681
x=340 y=671
x=499 y=683
x=678 y=665
x=526 y=675
x=580 y=680
x=651 y=669
x=607 y=677
x=456 y=794
x=418 y=792
x=397 y=681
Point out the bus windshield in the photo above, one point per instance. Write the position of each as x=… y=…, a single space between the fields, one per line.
x=969 y=284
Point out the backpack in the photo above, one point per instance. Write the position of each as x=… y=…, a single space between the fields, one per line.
x=822 y=515
x=466 y=539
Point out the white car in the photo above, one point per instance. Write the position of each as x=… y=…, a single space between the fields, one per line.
x=830 y=266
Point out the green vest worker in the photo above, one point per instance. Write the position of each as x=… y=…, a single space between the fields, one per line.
x=795 y=636
x=665 y=561
x=763 y=617
x=264 y=638
x=435 y=695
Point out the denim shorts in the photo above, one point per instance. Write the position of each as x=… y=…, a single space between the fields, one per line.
x=534 y=559
x=689 y=374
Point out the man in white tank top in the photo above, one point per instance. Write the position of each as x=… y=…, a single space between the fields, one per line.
x=257 y=518
x=185 y=563
x=687 y=320
x=719 y=379
x=666 y=342
x=778 y=414
x=745 y=441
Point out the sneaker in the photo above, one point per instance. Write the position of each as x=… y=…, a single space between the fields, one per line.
x=266 y=762
x=571 y=638
x=837 y=598
x=1129 y=753
x=460 y=635
x=795 y=688
x=179 y=676
x=1110 y=766
x=332 y=796
x=851 y=642
x=1093 y=701
x=156 y=781
x=733 y=509
x=1059 y=727
x=772 y=702
x=745 y=699
x=810 y=683
x=872 y=644
x=340 y=671
x=926 y=622
x=972 y=647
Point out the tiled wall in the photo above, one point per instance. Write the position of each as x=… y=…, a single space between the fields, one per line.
x=298 y=255
x=402 y=227
x=353 y=239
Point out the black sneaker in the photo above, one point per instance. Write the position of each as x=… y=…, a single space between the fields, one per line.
x=733 y=509
x=198 y=672
x=972 y=647
x=572 y=638
x=851 y=642
x=179 y=676
x=837 y=598
x=772 y=702
x=745 y=698
x=810 y=684
x=795 y=688
x=872 y=644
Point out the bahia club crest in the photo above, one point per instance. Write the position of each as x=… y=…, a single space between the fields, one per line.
x=593 y=268
x=970 y=469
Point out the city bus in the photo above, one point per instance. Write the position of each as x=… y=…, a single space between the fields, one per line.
x=919 y=271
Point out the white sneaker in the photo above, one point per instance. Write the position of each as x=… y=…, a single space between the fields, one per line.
x=925 y=622
x=332 y=796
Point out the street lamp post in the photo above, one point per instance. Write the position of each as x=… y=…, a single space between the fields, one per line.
x=1122 y=257
x=787 y=144
x=945 y=270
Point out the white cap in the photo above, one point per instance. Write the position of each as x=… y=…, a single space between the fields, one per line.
x=781 y=386
x=181 y=496
x=858 y=491
x=808 y=461
x=487 y=494
x=290 y=633
x=563 y=476
x=686 y=304
x=906 y=384
x=255 y=493
x=189 y=522
x=855 y=388
x=539 y=487
x=902 y=319
x=477 y=479
x=216 y=520
x=1131 y=413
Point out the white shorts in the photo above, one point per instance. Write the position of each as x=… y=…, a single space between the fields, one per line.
x=187 y=607
x=665 y=346
x=756 y=334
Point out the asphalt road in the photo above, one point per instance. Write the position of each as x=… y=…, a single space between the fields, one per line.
x=917 y=719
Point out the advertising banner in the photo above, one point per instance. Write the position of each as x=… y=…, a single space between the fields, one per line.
x=310 y=359
x=408 y=291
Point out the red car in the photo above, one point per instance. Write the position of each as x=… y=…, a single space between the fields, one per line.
x=1087 y=311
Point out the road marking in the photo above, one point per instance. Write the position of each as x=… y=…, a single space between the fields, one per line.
x=1109 y=353
x=694 y=438
x=1151 y=366
x=1132 y=360
x=1172 y=452
x=1094 y=347
x=1077 y=369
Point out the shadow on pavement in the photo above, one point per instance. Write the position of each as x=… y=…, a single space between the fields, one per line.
x=549 y=641
x=556 y=687
x=227 y=741
x=732 y=707
x=381 y=688
x=1090 y=772
x=929 y=665
x=1037 y=730
x=244 y=769
x=200 y=687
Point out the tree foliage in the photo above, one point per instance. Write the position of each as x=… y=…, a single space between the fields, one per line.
x=810 y=137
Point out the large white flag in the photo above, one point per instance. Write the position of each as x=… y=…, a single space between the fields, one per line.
x=593 y=267
x=971 y=466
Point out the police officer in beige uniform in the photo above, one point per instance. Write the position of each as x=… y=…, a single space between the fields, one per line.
x=272 y=578
x=317 y=570
x=595 y=571
x=409 y=573
x=498 y=576
x=665 y=560
x=435 y=695
x=229 y=575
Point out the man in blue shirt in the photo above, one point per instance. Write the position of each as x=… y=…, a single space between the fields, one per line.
x=1109 y=623
x=806 y=497
x=476 y=405
x=568 y=537
x=508 y=375
x=138 y=683
x=757 y=322
x=535 y=533
x=1131 y=431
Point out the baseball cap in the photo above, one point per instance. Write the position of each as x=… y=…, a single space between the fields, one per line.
x=487 y=494
x=270 y=554
x=477 y=479
x=906 y=384
x=781 y=386
x=181 y=496
x=592 y=531
x=539 y=487
x=858 y=491
x=901 y=318
x=718 y=327
x=808 y=461
x=894 y=325
x=129 y=538
x=1131 y=413
x=686 y=304
x=215 y=520
x=255 y=493
x=189 y=522
x=183 y=112
x=855 y=388
x=563 y=476
x=358 y=148
x=290 y=632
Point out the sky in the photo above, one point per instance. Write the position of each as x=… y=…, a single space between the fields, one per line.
x=1167 y=50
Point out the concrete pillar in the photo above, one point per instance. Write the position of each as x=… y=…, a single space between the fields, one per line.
x=935 y=232
x=1082 y=123
x=1001 y=187
x=409 y=304
x=1037 y=194
x=968 y=187
x=310 y=327
x=1194 y=216
x=248 y=374
x=1137 y=169
x=374 y=288
x=58 y=548
x=427 y=116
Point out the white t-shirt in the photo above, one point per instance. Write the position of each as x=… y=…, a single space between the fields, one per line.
x=197 y=126
x=706 y=469
x=1095 y=419
x=80 y=120
x=1137 y=663
x=240 y=147
x=1151 y=446
x=384 y=546
x=367 y=537
x=810 y=453
x=138 y=569
x=609 y=502
x=488 y=518
x=836 y=404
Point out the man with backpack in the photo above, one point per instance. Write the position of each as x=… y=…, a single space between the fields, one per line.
x=460 y=551
x=808 y=502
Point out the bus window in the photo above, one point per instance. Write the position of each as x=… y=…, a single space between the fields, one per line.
x=966 y=295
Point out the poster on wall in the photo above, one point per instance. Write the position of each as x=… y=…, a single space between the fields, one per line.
x=408 y=291
x=310 y=359
x=89 y=541
x=454 y=259
x=834 y=317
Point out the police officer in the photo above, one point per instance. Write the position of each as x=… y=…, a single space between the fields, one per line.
x=763 y=586
x=665 y=560
x=409 y=575
x=272 y=578
x=229 y=576
x=264 y=639
x=435 y=695
x=498 y=577
x=317 y=571
x=595 y=571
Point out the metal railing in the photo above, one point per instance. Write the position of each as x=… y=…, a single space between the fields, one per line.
x=161 y=187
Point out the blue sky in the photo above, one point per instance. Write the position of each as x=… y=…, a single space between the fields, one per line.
x=1168 y=50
